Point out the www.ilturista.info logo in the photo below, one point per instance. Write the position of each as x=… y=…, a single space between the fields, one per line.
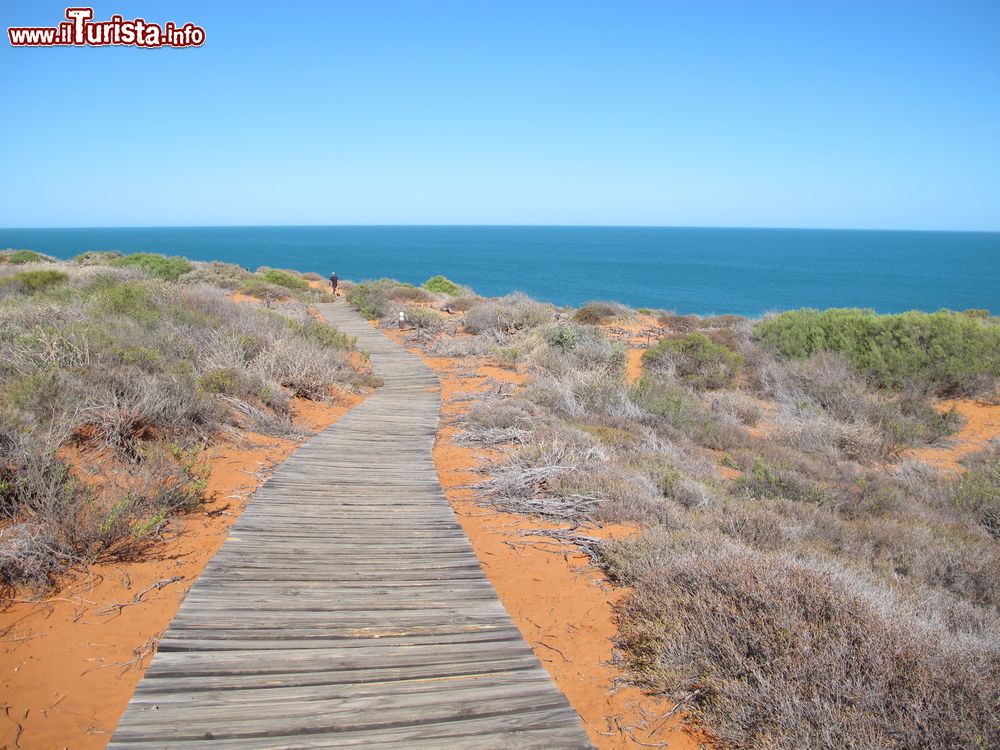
x=80 y=30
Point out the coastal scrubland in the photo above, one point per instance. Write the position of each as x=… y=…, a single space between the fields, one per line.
x=793 y=574
x=796 y=577
x=116 y=372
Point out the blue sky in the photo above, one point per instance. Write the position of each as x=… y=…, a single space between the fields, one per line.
x=798 y=114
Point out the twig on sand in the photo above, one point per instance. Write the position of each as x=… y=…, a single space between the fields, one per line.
x=673 y=711
x=119 y=606
x=139 y=655
x=552 y=648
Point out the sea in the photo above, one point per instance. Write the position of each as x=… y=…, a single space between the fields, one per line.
x=686 y=270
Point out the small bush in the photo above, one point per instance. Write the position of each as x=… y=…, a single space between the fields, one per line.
x=97 y=257
x=442 y=285
x=371 y=298
x=695 y=359
x=264 y=291
x=410 y=294
x=31 y=282
x=595 y=313
x=160 y=266
x=223 y=275
x=463 y=304
x=424 y=318
x=745 y=409
x=326 y=335
x=679 y=411
x=679 y=323
x=25 y=256
x=286 y=279
x=514 y=312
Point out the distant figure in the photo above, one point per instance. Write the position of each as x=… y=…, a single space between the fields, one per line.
x=333 y=282
x=402 y=319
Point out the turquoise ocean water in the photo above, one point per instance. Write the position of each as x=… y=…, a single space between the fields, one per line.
x=704 y=271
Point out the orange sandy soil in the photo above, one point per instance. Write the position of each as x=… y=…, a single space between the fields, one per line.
x=70 y=660
x=982 y=424
x=563 y=607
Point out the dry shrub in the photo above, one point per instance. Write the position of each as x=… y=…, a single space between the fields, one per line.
x=58 y=521
x=676 y=412
x=123 y=366
x=490 y=424
x=579 y=393
x=463 y=304
x=223 y=275
x=505 y=315
x=679 y=323
x=782 y=654
x=814 y=432
x=595 y=313
x=740 y=406
x=404 y=293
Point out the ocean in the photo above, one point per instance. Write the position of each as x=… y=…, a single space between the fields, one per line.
x=687 y=270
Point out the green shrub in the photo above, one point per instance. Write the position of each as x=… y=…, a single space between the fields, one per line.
x=221 y=381
x=424 y=318
x=764 y=480
x=263 y=290
x=97 y=257
x=956 y=354
x=131 y=299
x=160 y=266
x=371 y=298
x=679 y=408
x=25 y=256
x=326 y=336
x=287 y=279
x=697 y=360
x=31 y=282
x=442 y=285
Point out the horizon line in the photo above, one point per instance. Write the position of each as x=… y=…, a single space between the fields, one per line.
x=500 y=226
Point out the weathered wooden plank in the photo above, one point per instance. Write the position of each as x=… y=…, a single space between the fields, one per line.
x=347 y=608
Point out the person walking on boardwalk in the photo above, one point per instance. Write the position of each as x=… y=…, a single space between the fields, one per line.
x=333 y=282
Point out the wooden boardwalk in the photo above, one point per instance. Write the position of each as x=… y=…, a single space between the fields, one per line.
x=347 y=608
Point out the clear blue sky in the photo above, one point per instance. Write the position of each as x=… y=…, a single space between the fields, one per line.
x=813 y=114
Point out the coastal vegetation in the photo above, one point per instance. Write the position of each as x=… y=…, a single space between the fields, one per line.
x=115 y=372
x=795 y=574
x=798 y=578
